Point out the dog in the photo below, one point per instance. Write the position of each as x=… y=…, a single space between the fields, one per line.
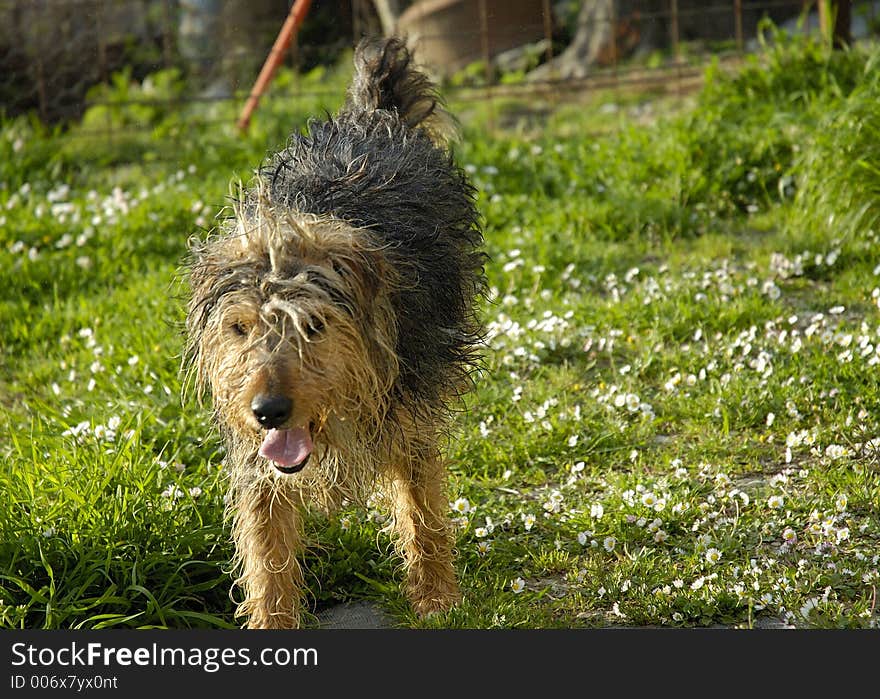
x=333 y=318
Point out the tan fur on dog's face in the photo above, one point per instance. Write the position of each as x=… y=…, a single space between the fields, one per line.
x=279 y=308
x=256 y=349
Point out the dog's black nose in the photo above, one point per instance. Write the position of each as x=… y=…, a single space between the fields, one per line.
x=271 y=411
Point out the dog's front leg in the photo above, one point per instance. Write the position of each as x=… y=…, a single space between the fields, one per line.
x=267 y=529
x=422 y=535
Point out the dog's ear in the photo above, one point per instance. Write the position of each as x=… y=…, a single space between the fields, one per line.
x=201 y=276
x=205 y=291
x=356 y=277
x=366 y=274
x=212 y=275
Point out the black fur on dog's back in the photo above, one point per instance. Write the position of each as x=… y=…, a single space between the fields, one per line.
x=379 y=165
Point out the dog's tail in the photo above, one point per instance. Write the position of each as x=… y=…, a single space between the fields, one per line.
x=385 y=78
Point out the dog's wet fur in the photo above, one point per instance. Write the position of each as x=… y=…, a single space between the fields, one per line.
x=333 y=320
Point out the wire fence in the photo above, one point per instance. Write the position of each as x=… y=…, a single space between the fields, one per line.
x=55 y=54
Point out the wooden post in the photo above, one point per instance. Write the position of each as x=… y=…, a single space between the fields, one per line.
x=546 y=12
x=824 y=7
x=738 y=24
x=676 y=46
x=835 y=19
x=673 y=30
x=842 y=35
x=487 y=60
x=273 y=60
x=102 y=44
x=547 y=15
x=612 y=31
x=167 y=30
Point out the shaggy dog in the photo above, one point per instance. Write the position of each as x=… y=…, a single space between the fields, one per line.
x=332 y=318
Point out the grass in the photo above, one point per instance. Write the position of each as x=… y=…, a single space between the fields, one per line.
x=677 y=422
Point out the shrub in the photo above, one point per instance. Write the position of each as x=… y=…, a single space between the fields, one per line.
x=840 y=167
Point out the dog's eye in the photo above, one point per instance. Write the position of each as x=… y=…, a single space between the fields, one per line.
x=238 y=328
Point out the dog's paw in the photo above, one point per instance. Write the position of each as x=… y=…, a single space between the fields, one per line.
x=428 y=607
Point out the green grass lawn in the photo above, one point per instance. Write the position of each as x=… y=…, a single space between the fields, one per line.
x=678 y=422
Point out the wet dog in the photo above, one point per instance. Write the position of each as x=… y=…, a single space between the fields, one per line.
x=333 y=320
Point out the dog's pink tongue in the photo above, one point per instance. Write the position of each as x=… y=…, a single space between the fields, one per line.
x=287 y=447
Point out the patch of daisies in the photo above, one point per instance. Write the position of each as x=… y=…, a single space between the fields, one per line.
x=62 y=219
x=777 y=543
x=694 y=539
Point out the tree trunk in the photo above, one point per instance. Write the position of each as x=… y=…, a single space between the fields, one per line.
x=594 y=33
x=388 y=11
